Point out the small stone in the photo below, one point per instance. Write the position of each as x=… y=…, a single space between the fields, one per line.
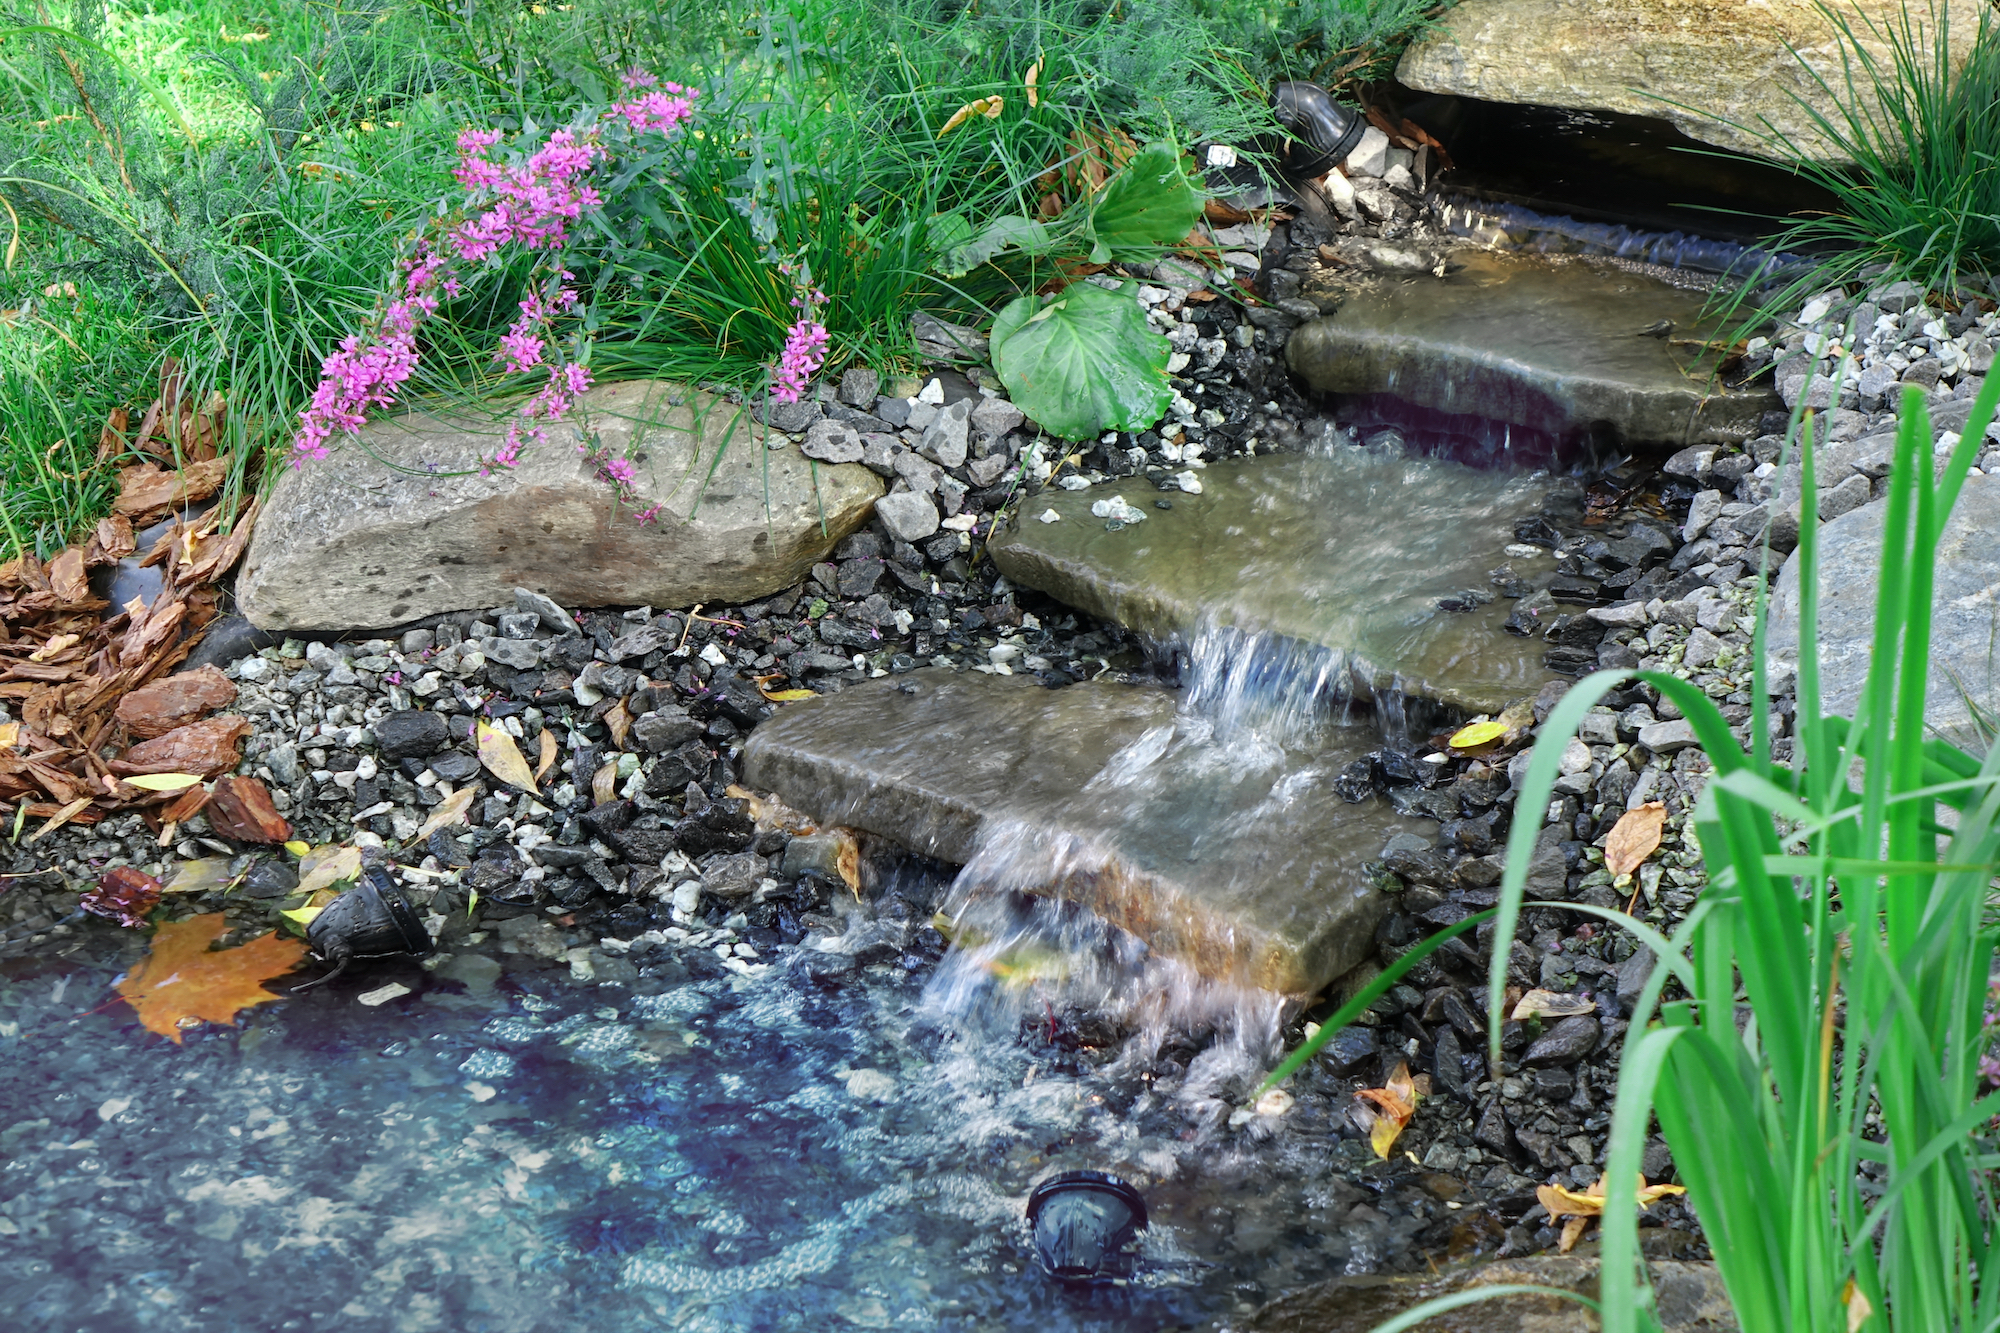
x=944 y=440
x=687 y=897
x=832 y=442
x=1625 y=615
x=1845 y=498
x=909 y=516
x=663 y=729
x=1371 y=156
x=1667 y=737
x=383 y=994
x=1703 y=648
x=858 y=387
x=552 y=615
x=519 y=625
x=1705 y=508
x=1564 y=1044
x=410 y=733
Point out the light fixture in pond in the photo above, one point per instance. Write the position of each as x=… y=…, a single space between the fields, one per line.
x=1083 y=1221
x=371 y=920
x=1324 y=131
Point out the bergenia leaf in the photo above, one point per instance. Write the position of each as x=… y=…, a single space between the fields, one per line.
x=1085 y=363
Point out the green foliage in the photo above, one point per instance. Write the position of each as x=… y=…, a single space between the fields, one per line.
x=1084 y=362
x=1922 y=198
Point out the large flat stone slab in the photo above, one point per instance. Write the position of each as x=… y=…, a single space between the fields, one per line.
x=1965 y=612
x=1560 y=345
x=382 y=533
x=1233 y=854
x=1718 y=70
x=1351 y=552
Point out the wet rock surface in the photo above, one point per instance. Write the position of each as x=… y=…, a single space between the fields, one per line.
x=362 y=544
x=1559 y=345
x=1236 y=858
x=1385 y=560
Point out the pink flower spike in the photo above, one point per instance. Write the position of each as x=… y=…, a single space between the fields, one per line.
x=805 y=350
x=622 y=470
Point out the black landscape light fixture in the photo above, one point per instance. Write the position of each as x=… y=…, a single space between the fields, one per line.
x=1082 y=1221
x=371 y=920
x=1323 y=132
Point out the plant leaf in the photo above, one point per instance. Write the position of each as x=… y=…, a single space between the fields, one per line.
x=503 y=758
x=789 y=696
x=181 y=982
x=328 y=865
x=548 y=755
x=1008 y=232
x=1149 y=205
x=1477 y=733
x=1083 y=364
x=1395 y=1103
x=1634 y=837
x=204 y=875
x=451 y=810
x=162 y=781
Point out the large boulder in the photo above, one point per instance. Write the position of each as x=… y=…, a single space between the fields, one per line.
x=1965 y=612
x=1719 y=70
x=412 y=523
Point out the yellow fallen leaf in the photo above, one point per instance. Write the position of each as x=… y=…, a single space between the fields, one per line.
x=604 y=784
x=548 y=757
x=1394 y=1104
x=163 y=781
x=451 y=810
x=1551 y=1004
x=503 y=758
x=618 y=721
x=1634 y=837
x=314 y=905
x=298 y=848
x=203 y=875
x=1580 y=1206
x=325 y=866
x=768 y=812
x=789 y=696
x=1034 y=78
x=1476 y=734
x=988 y=107
x=1858 y=1308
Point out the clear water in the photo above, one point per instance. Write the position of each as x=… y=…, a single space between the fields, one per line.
x=765 y=1152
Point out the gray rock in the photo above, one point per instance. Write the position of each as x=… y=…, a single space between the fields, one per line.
x=908 y=515
x=520 y=654
x=354 y=542
x=519 y=625
x=985 y=471
x=1729 y=80
x=814 y=854
x=1625 y=615
x=1965 y=622
x=1455 y=345
x=995 y=772
x=790 y=418
x=1667 y=737
x=939 y=340
x=1817 y=390
x=663 y=729
x=832 y=442
x=944 y=441
x=1875 y=382
x=994 y=417
x=1371 y=156
x=418 y=641
x=858 y=387
x=1898 y=297
x=410 y=734
x=1564 y=1044
x=1844 y=498
x=1696 y=463
x=1702 y=512
x=1702 y=649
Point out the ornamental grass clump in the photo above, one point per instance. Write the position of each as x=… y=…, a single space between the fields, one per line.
x=1814 y=1036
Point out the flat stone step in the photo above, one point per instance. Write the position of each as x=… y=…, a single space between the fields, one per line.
x=1557 y=345
x=413 y=522
x=1350 y=551
x=1232 y=854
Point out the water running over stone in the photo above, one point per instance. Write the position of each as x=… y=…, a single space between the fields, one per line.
x=1356 y=552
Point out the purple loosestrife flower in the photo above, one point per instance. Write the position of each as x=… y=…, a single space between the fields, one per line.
x=622 y=471
x=805 y=349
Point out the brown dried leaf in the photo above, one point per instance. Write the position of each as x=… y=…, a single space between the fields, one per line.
x=1551 y=1004
x=207 y=747
x=618 y=720
x=1634 y=837
x=451 y=810
x=156 y=709
x=1394 y=1104
x=325 y=866
x=768 y=812
x=125 y=895
x=241 y=809
x=182 y=982
x=549 y=752
x=218 y=555
x=604 y=784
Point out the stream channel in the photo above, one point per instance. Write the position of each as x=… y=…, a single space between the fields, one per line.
x=845 y=1134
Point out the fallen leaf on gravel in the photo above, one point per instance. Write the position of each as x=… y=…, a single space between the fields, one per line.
x=191 y=802
x=768 y=812
x=1551 y=1004
x=1394 y=1105
x=1476 y=734
x=604 y=784
x=503 y=758
x=451 y=810
x=618 y=721
x=1580 y=1207
x=60 y=817
x=1634 y=837
x=182 y=982
x=328 y=865
x=207 y=747
x=125 y=894
x=207 y=874
x=298 y=848
x=242 y=809
x=303 y=916
x=156 y=709
x=788 y=696
x=549 y=752
x=163 y=781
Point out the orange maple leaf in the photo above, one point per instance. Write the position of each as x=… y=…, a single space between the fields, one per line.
x=181 y=981
x=1394 y=1105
